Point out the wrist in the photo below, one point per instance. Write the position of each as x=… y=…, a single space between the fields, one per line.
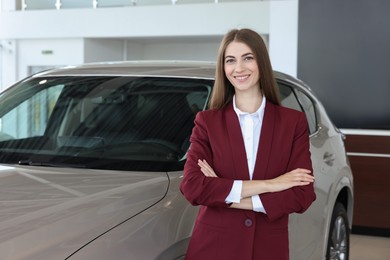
x=267 y=186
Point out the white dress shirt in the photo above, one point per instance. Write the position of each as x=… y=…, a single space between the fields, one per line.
x=250 y=128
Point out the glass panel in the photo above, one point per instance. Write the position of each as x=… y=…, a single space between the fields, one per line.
x=35 y=110
x=76 y=4
x=111 y=3
x=74 y=120
x=194 y=1
x=153 y=2
x=288 y=98
x=224 y=1
x=40 y=4
x=309 y=107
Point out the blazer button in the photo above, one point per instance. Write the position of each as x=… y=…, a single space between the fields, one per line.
x=248 y=222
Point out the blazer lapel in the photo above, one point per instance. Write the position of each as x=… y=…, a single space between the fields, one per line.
x=236 y=143
x=265 y=143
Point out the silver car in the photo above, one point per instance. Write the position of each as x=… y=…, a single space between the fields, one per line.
x=91 y=158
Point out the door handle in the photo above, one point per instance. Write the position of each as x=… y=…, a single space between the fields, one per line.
x=329 y=158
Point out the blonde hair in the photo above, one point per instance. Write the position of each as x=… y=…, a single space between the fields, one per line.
x=223 y=90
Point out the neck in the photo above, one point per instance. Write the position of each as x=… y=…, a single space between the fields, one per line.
x=247 y=102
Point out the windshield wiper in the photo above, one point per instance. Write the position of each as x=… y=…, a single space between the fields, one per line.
x=50 y=164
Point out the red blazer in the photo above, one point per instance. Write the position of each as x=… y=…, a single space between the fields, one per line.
x=224 y=233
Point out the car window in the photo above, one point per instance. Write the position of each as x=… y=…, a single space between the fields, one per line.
x=288 y=97
x=36 y=110
x=310 y=111
x=299 y=101
x=102 y=119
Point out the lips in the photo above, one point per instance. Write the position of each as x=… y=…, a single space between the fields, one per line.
x=241 y=77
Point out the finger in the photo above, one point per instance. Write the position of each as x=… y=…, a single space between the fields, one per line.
x=303 y=183
x=207 y=168
x=206 y=165
x=202 y=165
x=205 y=172
x=302 y=170
x=306 y=178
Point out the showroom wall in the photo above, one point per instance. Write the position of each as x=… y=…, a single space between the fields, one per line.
x=188 y=31
x=344 y=55
x=47 y=53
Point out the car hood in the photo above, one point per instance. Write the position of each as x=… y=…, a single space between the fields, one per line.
x=45 y=210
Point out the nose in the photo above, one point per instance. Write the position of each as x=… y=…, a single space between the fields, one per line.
x=239 y=66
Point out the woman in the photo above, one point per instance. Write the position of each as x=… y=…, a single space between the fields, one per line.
x=249 y=164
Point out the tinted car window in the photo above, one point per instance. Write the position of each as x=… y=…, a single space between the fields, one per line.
x=100 y=122
x=299 y=101
x=35 y=107
x=288 y=97
x=310 y=111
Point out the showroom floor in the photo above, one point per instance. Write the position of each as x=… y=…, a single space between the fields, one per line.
x=369 y=247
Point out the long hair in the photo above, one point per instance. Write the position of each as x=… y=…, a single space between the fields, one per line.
x=223 y=90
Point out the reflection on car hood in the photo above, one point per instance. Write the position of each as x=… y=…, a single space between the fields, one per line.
x=45 y=210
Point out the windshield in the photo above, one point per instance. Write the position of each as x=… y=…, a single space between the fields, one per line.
x=131 y=123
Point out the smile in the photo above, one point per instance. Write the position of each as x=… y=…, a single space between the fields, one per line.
x=241 y=77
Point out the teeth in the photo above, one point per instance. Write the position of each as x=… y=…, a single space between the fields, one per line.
x=241 y=77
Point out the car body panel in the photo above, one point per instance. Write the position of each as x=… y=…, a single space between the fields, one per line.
x=330 y=178
x=170 y=220
x=47 y=213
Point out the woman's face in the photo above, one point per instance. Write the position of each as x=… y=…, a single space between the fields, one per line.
x=241 y=67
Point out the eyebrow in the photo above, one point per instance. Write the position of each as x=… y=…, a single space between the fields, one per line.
x=246 y=54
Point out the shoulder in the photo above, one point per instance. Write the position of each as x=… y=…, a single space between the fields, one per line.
x=287 y=115
x=210 y=114
x=214 y=119
x=208 y=118
x=288 y=111
x=288 y=122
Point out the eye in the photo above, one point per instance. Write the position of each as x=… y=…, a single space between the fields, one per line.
x=249 y=58
x=229 y=60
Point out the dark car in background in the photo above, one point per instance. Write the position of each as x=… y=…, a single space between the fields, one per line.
x=91 y=158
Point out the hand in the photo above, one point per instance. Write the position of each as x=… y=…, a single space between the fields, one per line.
x=297 y=177
x=206 y=169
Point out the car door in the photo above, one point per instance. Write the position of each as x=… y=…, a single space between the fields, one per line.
x=306 y=230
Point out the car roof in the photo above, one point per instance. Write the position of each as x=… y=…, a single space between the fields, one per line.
x=177 y=69
x=185 y=69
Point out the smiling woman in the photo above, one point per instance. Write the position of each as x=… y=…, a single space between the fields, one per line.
x=249 y=165
x=241 y=69
x=254 y=51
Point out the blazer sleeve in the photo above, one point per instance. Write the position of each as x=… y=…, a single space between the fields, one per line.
x=297 y=199
x=197 y=188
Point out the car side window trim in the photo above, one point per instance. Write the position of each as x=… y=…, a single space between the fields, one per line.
x=298 y=92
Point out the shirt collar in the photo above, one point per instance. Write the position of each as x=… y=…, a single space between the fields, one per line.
x=259 y=112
